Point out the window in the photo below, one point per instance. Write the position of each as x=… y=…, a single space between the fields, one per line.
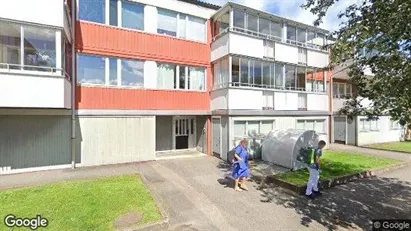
x=310 y=37
x=269 y=49
x=92 y=10
x=252 y=22
x=170 y=76
x=39 y=48
x=182 y=32
x=276 y=30
x=267 y=80
x=301 y=78
x=167 y=22
x=121 y=72
x=252 y=128
x=132 y=15
x=257 y=73
x=317 y=125
x=221 y=23
x=113 y=13
x=291 y=34
x=320 y=40
x=239 y=18
x=91 y=69
x=244 y=72
x=235 y=71
x=302 y=55
x=196 y=29
x=301 y=35
x=268 y=99
x=166 y=75
x=132 y=73
x=348 y=90
x=10 y=41
x=264 y=26
x=239 y=129
x=394 y=125
x=196 y=78
x=225 y=78
x=369 y=125
x=290 y=77
x=279 y=83
x=112 y=72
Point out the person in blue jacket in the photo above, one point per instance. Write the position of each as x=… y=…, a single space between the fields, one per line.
x=241 y=171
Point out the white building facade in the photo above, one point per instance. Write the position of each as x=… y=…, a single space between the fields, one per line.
x=269 y=72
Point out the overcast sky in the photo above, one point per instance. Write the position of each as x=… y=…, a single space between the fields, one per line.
x=291 y=9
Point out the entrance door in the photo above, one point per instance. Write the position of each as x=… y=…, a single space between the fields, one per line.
x=340 y=130
x=184 y=132
x=216 y=136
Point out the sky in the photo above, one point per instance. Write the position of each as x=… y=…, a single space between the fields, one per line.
x=291 y=9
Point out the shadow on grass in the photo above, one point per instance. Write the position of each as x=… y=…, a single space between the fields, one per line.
x=350 y=206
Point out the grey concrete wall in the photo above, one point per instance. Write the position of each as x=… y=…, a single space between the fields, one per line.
x=34 y=141
x=201 y=125
x=164 y=133
x=225 y=137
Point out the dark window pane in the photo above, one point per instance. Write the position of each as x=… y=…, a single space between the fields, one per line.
x=182 y=84
x=252 y=22
x=291 y=33
x=266 y=75
x=264 y=27
x=257 y=74
x=92 y=10
x=239 y=18
x=113 y=13
x=244 y=71
x=235 y=71
x=290 y=77
x=301 y=78
x=301 y=35
x=10 y=40
x=279 y=75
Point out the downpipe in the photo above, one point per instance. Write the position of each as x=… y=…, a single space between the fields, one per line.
x=73 y=84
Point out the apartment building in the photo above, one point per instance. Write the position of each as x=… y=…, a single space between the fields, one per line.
x=95 y=82
x=358 y=130
x=269 y=72
x=35 y=89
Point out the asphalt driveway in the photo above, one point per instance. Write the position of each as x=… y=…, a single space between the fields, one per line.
x=196 y=195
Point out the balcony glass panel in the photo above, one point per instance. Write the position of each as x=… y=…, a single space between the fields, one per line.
x=244 y=72
x=279 y=74
x=276 y=30
x=239 y=18
x=290 y=78
x=10 y=40
x=267 y=75
x=264 y=26
x=39 y=48
x=235 y=71
x=257 y=74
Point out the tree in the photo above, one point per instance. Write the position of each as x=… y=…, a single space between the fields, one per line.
x=383 y=27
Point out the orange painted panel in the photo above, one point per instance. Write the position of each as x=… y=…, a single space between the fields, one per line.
x=319 y=76
x=136 y=99
x=114 y=41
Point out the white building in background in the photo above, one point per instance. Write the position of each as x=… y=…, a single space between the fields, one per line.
x=359 y=130
x=269 y=72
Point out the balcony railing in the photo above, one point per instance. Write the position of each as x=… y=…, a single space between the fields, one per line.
x=262 y=87
x=33 y=70
x=268 y=37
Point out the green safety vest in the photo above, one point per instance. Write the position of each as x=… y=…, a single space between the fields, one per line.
x=312 y=156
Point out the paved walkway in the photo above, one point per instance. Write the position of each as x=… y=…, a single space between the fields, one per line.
x=198 y=196
x=368 y=151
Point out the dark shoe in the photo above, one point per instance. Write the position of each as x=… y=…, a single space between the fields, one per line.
x=317 y=193
x=311 y=196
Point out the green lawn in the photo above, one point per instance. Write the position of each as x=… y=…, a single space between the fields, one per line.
x=394 y=146
x=335 y=164
x=81 y=205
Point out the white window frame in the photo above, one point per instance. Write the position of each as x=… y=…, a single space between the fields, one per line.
x=185 y=79
x=248 y=119
x=315 y=123
x=365 y=120
x=395 y=125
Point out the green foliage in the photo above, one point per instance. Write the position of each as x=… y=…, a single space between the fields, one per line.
x=382 y=26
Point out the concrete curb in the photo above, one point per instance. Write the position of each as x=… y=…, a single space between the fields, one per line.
x=334 y=182
x=381 y=149
x=160 y=225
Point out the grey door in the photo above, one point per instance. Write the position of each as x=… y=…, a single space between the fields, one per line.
x=340 y=130
x=216 y=136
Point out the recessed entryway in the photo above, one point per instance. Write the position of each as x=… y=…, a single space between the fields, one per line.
x=184 y=132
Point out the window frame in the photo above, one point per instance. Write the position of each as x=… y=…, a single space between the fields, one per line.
x=186 y=78
x=315 y=121
x=247 y=120
x=364 y=121
x=107 y=72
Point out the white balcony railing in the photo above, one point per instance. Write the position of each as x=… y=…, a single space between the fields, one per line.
x=263 y=86
x=33 y=70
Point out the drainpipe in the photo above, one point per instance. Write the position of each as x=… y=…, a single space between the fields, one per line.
x=73 y=84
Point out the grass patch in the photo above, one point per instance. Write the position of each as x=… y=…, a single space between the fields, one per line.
x=394 y=146
x=81 y=205
x=337 y=164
